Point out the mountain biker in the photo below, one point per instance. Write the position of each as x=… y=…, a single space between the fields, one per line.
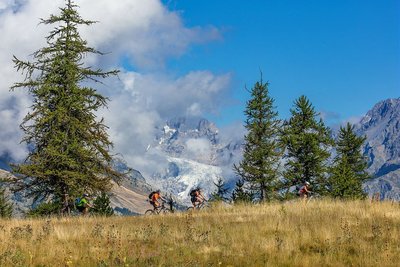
x=305 y=191
x=196 y=197
x=155 y=196
x=83 y=204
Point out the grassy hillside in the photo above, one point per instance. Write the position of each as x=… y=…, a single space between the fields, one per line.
x=291 y=234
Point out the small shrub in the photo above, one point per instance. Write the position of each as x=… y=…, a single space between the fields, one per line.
x=101 y=205
x=45 y=209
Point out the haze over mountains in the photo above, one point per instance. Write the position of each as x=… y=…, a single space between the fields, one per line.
x=192 y=152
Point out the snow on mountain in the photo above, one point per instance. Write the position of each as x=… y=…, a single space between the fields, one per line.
x=182 y=175
x=196 y=154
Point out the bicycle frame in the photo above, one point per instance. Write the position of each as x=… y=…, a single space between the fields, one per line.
x=158 y=210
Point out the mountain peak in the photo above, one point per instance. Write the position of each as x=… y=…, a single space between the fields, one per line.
x=381 y=125
x=382 y=111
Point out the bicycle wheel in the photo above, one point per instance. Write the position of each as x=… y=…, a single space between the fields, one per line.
x=166 y=211
x=310 y=199
x=149 y=212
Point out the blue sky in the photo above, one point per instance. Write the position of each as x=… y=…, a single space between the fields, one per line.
x=343 y=55
x=194 y=58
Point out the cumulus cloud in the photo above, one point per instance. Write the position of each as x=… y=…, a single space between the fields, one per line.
x=139 y=103
x=191 y=95
x=198 y=147
x=145 y=33
x=4 y=4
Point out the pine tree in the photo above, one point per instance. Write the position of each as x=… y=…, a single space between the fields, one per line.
x=307 y=142
x=69 y=147
x=261 y=155
x=219 y=194
x=101 y=205
x=6 y=208
x=240 y=194
x=350 y=166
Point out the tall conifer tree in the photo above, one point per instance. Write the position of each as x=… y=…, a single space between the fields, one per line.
x=307 y=141
x=6 y=207
x=349 y=170
x=69 y=147
x=259 y=167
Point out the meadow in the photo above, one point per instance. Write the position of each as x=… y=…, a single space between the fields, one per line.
x=320 y=233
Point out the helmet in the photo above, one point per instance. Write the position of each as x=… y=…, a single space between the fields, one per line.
x=307 y=183
x=85 y=195
x=158 y=191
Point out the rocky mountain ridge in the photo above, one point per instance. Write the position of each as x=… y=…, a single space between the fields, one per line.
x=195 y=139
x=381 y=126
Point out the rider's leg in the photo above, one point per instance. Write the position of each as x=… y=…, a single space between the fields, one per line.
x=85 y=210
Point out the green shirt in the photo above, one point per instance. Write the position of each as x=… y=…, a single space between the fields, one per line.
x=83 y=202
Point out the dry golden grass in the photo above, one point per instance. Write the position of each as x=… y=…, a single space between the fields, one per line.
x=322 y=233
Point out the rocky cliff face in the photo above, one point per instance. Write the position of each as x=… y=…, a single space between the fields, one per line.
x=381 y=125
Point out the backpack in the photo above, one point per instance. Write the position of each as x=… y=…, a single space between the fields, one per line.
x=151 y=195
x=78 y=202
x=192 y=193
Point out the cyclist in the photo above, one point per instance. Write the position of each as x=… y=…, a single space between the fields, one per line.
x=82 y=204
x=155 y=196
x=196 y=197
x=305 y=191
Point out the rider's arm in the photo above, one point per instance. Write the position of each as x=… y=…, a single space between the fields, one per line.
x=87 y=204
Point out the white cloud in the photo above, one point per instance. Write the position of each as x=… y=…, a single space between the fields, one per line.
x=193 y=94
x=144 y=32
x=329 y=115
x=140 y=102
x=4 y=4
x=198 y=147
x=353 y=120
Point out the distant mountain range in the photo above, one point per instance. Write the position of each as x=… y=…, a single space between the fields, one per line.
x=196 y=154
x=381 y=125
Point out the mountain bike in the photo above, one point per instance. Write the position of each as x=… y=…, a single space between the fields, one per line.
x=312 y=197
x=157 y=210
x=202 y=205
